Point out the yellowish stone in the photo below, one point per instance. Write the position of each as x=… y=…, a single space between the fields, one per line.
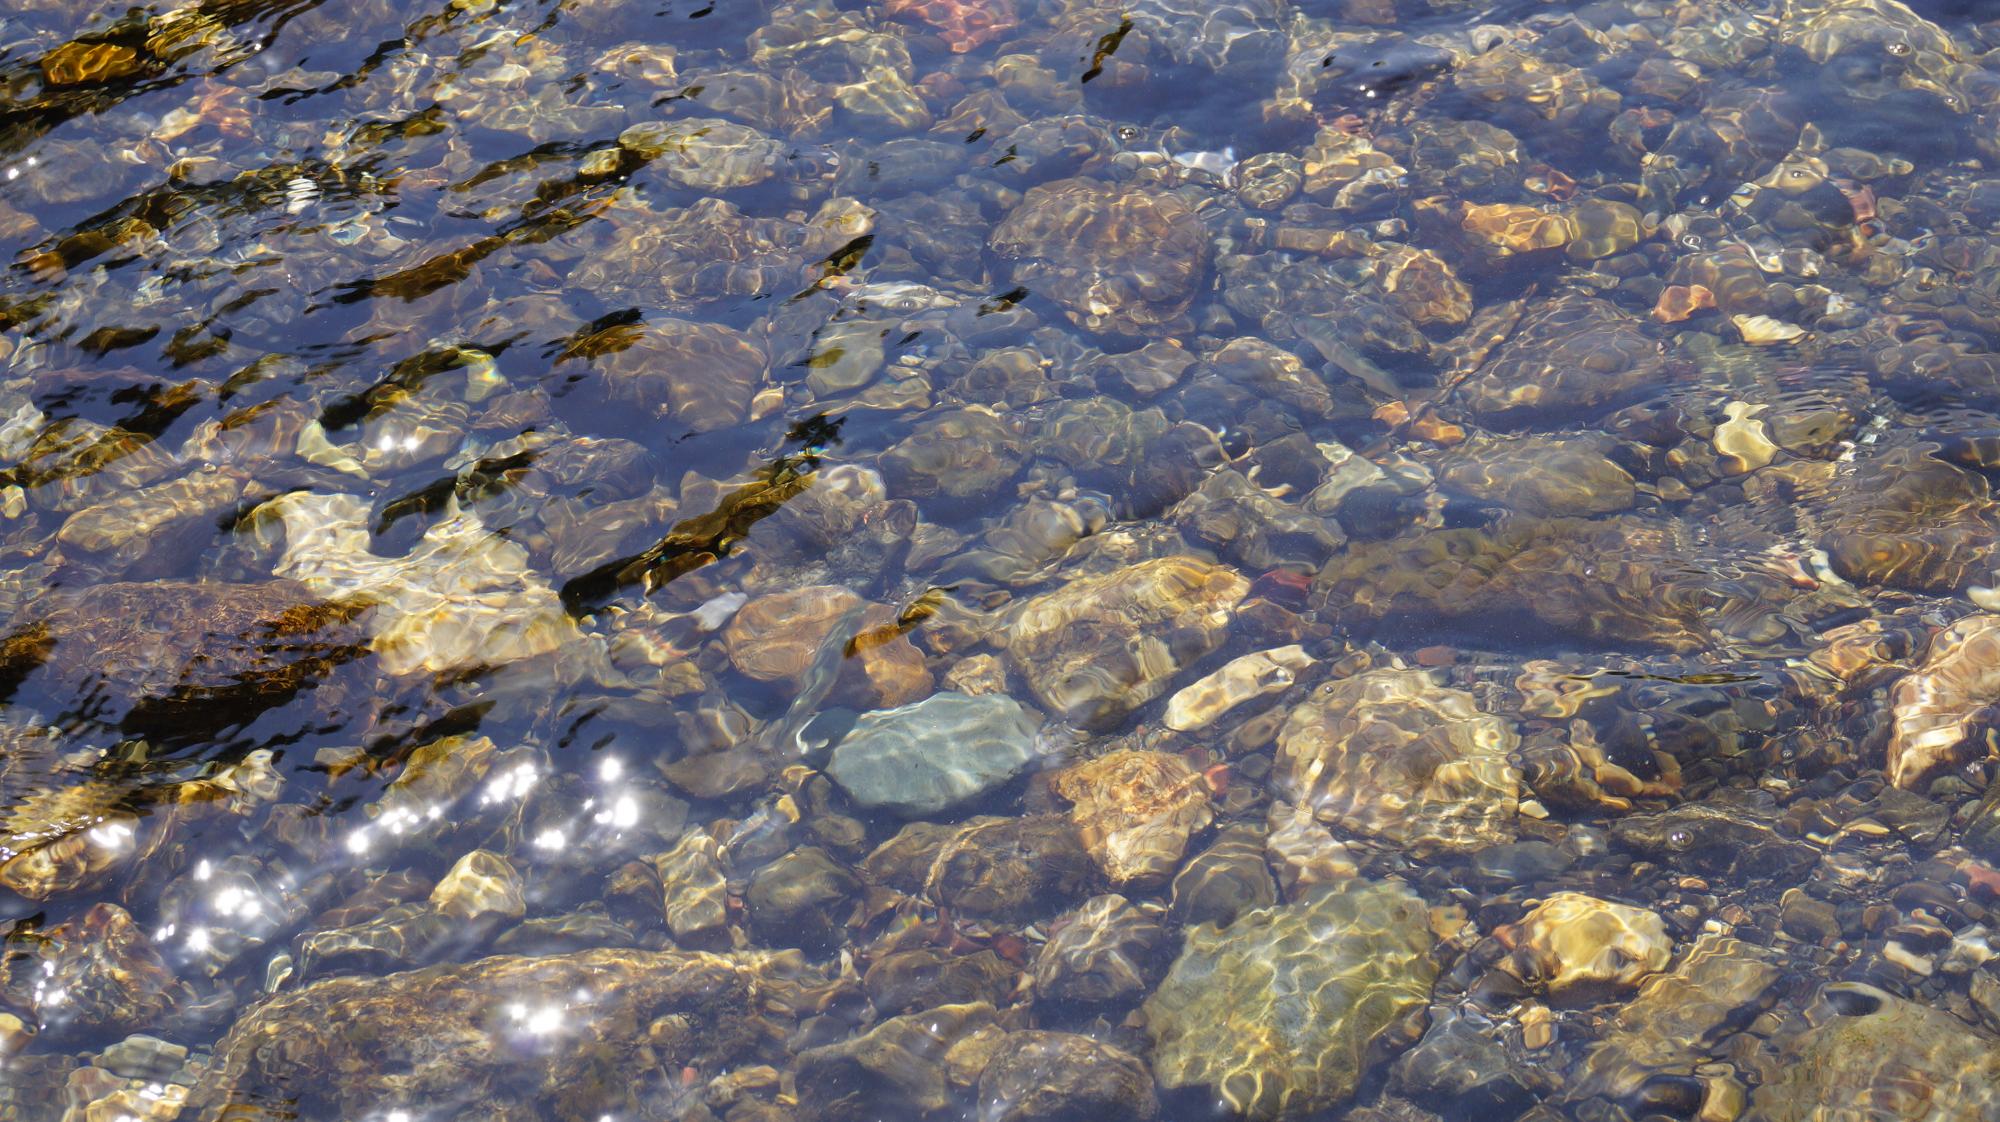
x=1580 y=945
x=1136 y=811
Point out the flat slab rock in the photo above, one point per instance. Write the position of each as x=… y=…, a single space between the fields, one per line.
x=557 y=1036
x=178 y=657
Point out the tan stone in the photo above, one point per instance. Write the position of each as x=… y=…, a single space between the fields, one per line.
x=481 y=883
x=1937 y=706
x=1239 y=680
x=1393 y=755
x=1136 y=811
x=1577 y=944
x=1103 y=645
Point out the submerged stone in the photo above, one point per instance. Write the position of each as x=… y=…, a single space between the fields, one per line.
x=1907 y=519
x=1463 y=1061
x=1622 y=579
x=98 y=973
x=704 y=153
x=696 y=896
x=1108 y=951
x=801 y=900
x=1103 y=645
x=1677 y=1017
x=930 y=756
x=777 y=637
x=1240 y=680
x=1393 y=755
x=962 y=25
x=1120 y=259
x=395 y=938
x=676 y=373
x=481 y=883
x=1224 y=881
x=1541 y=475
x=1575 y=355
x=180 y=657
x=962 y=454
x=895 y=1069
x=1280 y=1012
x=1729 y=833
x=563 y=1036
x=1037 y=1076
x=906 y=981
x=1865 y=1054
x=1016 y=870
x=1136 y=811
x=1937 y=706
x=1575 y=944
x=166 y=509
x=464 y=596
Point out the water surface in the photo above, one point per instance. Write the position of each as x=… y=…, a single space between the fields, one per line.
x=1000 y=559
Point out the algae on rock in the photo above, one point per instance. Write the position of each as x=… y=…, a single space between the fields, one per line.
x=1280 y=1012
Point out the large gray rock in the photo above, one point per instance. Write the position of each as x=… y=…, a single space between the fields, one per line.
x=935 y=754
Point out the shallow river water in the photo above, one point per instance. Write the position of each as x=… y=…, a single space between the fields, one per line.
x=999 y=561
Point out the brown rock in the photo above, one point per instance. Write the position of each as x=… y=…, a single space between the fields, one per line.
x=894 y=1070
x=560 y=1036
x=1015 y=870
x=1064 y=1077
x=699 y=376
x=1577 y=944
x=1136 y=811
x=1100 y=646
x=171 y=657
x=1393 y=755
x=775 y=638
x=1937 y=705
x=100 y=973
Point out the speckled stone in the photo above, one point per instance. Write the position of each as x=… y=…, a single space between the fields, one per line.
x=1864 y=1055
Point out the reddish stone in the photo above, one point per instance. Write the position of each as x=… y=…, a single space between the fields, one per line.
x=963 y=24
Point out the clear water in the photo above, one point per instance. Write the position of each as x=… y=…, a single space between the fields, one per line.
x=547 y=429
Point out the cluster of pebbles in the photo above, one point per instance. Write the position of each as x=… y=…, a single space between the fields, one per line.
x=1016 y=560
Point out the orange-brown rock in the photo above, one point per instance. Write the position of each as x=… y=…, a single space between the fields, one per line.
x=775 y=637
x=1681 y=301
x=1136 y=811
x=962 y=24
x=74 y=64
